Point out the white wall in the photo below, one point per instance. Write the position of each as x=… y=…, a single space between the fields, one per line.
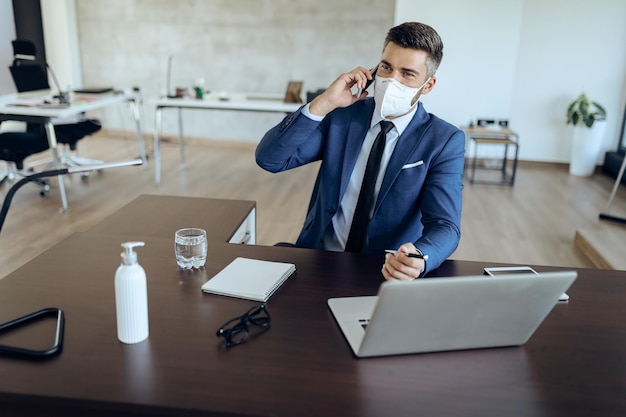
x=525 y=60
x=584 y=51
x=7 y=34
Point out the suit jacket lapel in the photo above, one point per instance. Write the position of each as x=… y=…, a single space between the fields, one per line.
x=355 y=134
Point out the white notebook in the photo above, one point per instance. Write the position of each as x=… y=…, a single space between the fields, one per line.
x=252 y=279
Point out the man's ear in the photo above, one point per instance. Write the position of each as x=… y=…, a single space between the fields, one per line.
x=430 y=84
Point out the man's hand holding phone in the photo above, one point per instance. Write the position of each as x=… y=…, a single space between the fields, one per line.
x=339 y=93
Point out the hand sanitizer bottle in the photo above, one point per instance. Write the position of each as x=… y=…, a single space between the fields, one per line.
x=131 y=297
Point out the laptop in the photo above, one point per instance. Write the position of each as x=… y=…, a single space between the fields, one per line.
x=443 y=314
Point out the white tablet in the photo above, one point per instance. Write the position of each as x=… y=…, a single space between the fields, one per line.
x=497 y=271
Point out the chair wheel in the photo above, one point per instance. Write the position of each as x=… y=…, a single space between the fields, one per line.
x=84 y=177
x=45 y=192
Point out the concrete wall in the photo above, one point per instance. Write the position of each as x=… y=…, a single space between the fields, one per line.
x=253 y=46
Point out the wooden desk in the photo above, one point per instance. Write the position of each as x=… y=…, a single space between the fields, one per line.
x=501 y=137
x=27 y=107
x=574 y=365
x=213 y=101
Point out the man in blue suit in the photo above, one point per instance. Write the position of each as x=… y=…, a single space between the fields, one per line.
x=417 y=186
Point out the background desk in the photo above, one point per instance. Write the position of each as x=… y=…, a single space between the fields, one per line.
x=235 y=101
x=21 y=107
x=574 y=365
x=501 y=137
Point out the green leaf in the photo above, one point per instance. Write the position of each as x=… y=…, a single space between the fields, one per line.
x=601 y=110
x=584 y=107
x=584 y=111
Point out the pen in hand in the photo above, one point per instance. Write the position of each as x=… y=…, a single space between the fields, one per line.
x=410 y=255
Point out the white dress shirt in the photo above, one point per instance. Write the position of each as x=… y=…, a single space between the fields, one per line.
x=336 y=238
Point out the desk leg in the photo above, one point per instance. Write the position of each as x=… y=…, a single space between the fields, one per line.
x=515 y=164
x=52 y=141
x=142 y=148
x=157 y=144
x=181 y=144
x=505 y=161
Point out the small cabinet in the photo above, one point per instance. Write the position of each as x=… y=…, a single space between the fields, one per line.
x=246 y=232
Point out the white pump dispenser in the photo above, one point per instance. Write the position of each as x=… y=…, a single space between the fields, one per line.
x=131 y=297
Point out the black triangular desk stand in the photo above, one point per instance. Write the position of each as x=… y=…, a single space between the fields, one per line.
x=22 y=321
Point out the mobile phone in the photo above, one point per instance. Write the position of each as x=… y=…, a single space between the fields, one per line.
x=368 y=83
x=508 y=270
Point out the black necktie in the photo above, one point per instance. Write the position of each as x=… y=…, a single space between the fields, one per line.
x=361 y=219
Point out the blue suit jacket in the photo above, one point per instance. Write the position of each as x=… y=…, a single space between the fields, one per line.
x=420 y=197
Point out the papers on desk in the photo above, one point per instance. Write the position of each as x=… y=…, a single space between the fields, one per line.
x=251 y=279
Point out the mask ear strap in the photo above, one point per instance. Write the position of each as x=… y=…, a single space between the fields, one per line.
x=419 y=91
x=425 y=82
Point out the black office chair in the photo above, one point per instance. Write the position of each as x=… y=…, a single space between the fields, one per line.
x=17 y=146
x=30 y=76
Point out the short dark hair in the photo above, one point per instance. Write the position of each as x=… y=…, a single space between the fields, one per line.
x=421 y=37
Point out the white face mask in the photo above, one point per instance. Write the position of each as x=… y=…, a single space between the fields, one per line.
x=394 y=98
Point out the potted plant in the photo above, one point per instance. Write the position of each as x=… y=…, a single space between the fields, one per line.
x=588 y=118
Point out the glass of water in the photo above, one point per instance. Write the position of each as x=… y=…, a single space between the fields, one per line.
x=191 y=248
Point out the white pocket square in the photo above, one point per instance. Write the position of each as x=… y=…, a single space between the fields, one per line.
x=413 y=165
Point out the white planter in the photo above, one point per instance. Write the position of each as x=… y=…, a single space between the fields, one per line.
x=586 y=147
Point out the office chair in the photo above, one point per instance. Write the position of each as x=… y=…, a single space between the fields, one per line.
x=17 y=146
x=30 y=76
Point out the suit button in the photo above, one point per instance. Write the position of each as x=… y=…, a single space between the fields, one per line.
x=331 y=210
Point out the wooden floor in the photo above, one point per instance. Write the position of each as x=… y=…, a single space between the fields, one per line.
x=534 y=222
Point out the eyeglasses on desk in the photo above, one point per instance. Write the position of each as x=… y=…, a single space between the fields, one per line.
x=236 y=331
